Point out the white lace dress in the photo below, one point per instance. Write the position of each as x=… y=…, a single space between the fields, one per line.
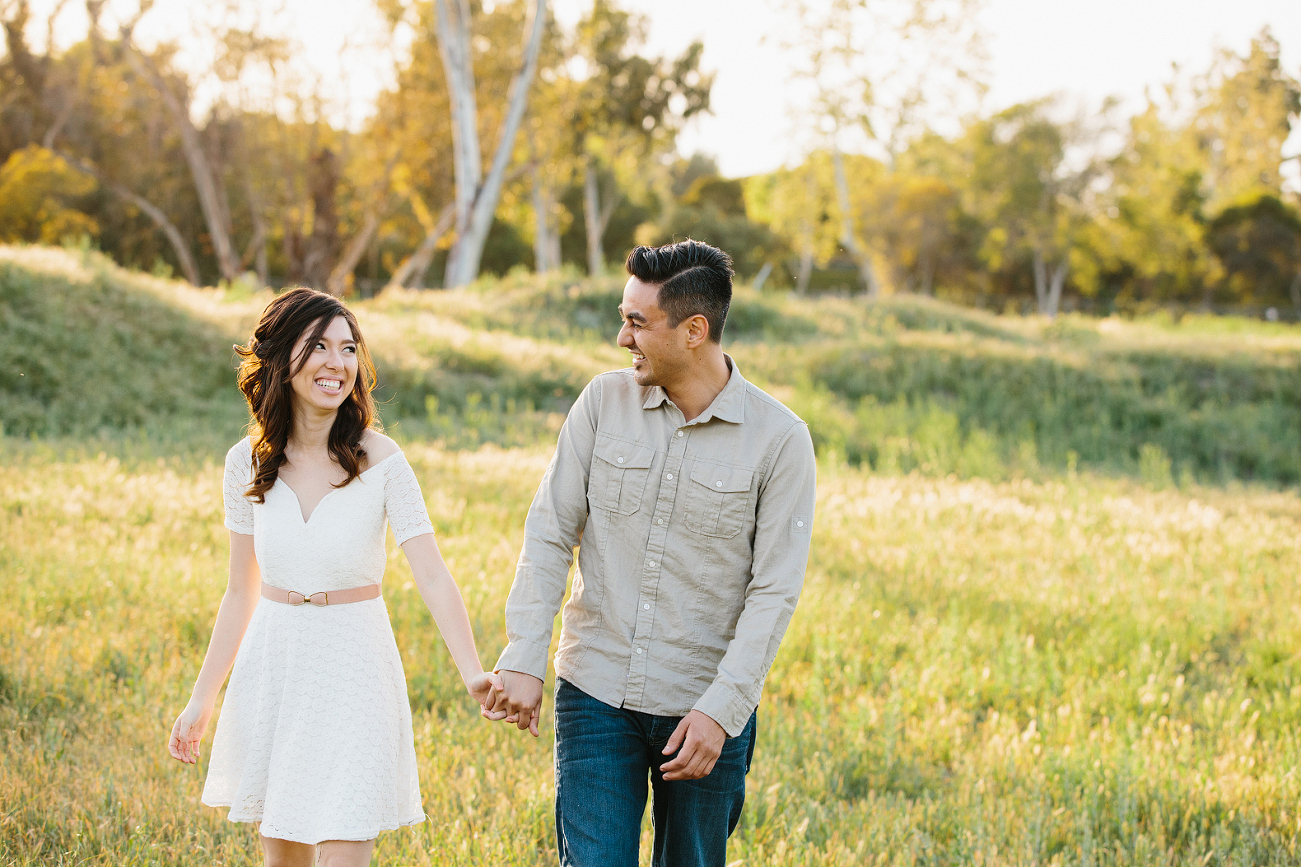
x=314 y=738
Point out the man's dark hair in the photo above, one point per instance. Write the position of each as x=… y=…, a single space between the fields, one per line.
x=693 y=278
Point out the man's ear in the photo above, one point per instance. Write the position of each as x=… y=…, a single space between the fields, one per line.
x=697 y=330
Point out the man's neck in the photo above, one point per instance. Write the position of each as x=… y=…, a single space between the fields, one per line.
x=709 y=377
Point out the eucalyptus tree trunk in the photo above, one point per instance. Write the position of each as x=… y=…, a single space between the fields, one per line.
x=418 y=262
x=596 y=218
x=546 y=238
x=173 y=234
x=476 y=193
x=211 y=199
x=806 y=270
x=1048 y=286
x=337 y=283
x=848 y=239
x=806 y=256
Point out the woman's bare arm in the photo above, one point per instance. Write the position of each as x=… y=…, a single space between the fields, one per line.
x=243 y=589
x=443 y=597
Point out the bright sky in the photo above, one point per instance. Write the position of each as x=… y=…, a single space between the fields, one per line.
x=1085 y=50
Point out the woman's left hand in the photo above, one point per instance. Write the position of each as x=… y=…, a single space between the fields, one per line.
x=187 y=733
x=483 y=685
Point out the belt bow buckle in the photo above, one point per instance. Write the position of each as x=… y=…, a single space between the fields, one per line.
x=301 y=598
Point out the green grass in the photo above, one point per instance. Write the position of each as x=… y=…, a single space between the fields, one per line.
x=1010 y=649
x=1079 y=671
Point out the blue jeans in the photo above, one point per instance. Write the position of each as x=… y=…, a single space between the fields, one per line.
x=604 y=756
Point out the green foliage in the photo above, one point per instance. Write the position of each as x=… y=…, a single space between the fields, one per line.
x=1258 y=242
x=36 y=189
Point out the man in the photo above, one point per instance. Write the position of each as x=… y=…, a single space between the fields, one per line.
x=692 y=493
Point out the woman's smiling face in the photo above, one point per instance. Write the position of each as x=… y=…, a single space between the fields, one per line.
x=328 y=375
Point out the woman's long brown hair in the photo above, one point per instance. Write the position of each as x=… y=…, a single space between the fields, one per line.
x=264 y=378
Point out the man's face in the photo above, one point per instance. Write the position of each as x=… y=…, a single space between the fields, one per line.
x=659 y=353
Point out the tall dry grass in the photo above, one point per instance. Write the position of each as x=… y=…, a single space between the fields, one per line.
x=1078 y=671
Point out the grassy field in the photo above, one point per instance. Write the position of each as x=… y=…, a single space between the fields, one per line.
x=1000 y=657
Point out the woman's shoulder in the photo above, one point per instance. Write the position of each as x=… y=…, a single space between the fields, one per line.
x=378 y=446
x=241 y=452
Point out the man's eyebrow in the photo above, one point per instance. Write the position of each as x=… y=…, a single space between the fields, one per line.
x=632 y=315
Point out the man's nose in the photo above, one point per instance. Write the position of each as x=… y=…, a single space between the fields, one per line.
x=625 y=336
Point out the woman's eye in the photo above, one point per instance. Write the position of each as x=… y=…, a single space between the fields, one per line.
x=351 y=349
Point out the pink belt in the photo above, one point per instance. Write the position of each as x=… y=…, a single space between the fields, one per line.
x=321 y=597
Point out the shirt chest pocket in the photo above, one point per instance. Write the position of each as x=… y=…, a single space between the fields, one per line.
x=618 y=476
x=718 y=499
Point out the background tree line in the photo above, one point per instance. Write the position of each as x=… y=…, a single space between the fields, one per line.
x=508 y=142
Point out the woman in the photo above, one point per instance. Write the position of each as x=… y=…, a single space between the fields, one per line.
x=314 y=741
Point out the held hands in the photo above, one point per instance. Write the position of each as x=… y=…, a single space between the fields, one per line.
x=517 y=700
x=187 y=732
x=701 y=741
x=483 y=686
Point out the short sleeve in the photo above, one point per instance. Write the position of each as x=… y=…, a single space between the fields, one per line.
x=239 y=475
x=403 y=502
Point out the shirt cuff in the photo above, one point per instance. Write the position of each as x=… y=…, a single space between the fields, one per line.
x=525 y=656
x=726 y=707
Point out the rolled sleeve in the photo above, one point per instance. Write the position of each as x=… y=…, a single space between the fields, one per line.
x=783 y=529
x=553 y=527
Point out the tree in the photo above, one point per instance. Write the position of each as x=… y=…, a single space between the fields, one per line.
x=1248 y=104
x=80 y=108
x=1156 y=246
x=1258 y=242
x=477 y=192
x=797 y=204
x=628 y=108
x=1031 y=195
x=872 y=67
x=36 y=191
x=207 y=183
x=713 y=209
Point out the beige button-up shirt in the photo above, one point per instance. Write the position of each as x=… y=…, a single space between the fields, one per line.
x=695 y=537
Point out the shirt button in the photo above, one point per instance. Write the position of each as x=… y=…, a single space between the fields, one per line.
x=639 y=651
x=660 y=521
x=718 y=484
x=646 y=606
x=668 y=476
x=620 y=460
x=650 y=563
x=679 y=433
x=799 y=523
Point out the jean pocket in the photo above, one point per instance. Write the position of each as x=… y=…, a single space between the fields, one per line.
x=618 y=476
x=718 y=499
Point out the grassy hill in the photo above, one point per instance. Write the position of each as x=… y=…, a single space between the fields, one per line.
x=898 y=385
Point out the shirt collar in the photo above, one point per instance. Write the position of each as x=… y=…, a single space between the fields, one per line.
x=728 y=406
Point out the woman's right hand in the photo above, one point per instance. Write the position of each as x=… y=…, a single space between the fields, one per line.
x=187 y=732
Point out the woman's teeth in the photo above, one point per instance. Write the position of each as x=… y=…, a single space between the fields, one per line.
x=329 y=384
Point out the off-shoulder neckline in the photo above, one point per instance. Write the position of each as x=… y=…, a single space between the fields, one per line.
x=316 y=508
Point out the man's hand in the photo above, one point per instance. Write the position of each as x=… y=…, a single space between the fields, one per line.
x=518 y=700
x=701 y=740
